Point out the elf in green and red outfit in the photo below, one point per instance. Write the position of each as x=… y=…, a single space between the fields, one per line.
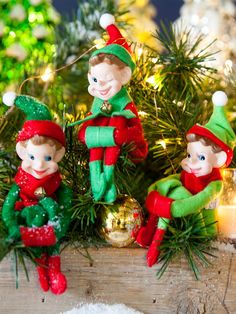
x=36 y=209
x=196 y=189
x=113 y=120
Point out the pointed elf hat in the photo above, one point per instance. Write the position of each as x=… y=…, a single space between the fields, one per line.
x=38 y=118
x=218 y=128
x=116 y=45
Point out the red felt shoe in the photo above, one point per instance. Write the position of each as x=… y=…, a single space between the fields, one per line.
x=154 y=249
x=146 y=233
x=57 y=280
x=42 y=272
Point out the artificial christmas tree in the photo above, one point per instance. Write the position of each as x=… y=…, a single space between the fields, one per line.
x=171 y=91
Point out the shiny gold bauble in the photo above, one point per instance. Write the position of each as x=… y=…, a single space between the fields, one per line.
x=122 y=221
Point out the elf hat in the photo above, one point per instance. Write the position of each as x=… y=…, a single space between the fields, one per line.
x=218 y=128
x=116 y=45
x=38 y=118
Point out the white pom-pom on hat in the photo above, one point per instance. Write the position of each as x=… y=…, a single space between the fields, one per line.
x=106 y=19
x=9 y=98
x=219 y=98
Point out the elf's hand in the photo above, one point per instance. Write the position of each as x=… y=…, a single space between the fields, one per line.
x=159 y=205
x=120 y=136
x=14 y=234
x=34 y=215
x=51 y=207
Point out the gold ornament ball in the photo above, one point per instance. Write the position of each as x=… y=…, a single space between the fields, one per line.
x=122 y=221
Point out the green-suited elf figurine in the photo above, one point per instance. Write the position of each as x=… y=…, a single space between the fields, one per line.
x=197 y=187
x=113 y=120
x=36 y=209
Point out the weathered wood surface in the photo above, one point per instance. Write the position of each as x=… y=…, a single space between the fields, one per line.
x=121 y=276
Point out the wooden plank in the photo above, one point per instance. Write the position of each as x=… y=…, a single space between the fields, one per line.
x=121 y=276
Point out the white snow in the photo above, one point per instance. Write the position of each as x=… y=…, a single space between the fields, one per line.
x=101 y=308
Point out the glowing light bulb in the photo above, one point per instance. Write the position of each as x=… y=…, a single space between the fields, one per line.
x=13 y=34
x=151 y=80
x=162 y=143
x=140 y=52
x=142 y=114
x=99 y=43
x=47 y=75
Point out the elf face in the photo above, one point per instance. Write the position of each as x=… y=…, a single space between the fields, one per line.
x=39 y=160
x=201 y=159
x=106 y=80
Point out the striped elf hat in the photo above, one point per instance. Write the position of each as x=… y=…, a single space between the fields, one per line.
x=116 y=45
x=218 y=128
x=38 y=118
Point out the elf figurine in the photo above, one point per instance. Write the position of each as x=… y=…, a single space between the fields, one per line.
x=196 y=189
x=36 y=209
x=113 y=120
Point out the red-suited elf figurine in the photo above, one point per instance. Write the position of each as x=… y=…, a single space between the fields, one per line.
x=113 y=119
x=196 y=188
x=36 y=209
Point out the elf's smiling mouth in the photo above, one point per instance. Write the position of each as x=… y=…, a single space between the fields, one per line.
x=39 y=173
x=104 y=92
x=195 y=171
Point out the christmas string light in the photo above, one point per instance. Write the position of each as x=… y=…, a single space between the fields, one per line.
x=47 y=74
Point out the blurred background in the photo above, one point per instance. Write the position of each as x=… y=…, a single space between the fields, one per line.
x=167 y=10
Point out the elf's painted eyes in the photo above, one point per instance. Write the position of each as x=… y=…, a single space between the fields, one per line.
x=201 y=157
x=31 y=157
x=189 y=156
x=47 y=158
x=94 y=79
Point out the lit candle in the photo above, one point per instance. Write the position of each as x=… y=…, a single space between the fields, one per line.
x=226 y=217
x=226 y=211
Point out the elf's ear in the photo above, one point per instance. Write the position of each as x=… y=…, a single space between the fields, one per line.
x=21 y=151
x=221 y=158
x=126 y=74
x=59 y=154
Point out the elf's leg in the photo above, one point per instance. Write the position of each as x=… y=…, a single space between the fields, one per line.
x=154 y=249
x=97 y=177
x=209 y=218
x=42 y=268
x=112 y=154
x=146 y=233
x=57 y=279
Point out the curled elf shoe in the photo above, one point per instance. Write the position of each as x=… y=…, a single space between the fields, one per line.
x=154 y=249
x=111 y=194
x=146 y=233
x=57 y=279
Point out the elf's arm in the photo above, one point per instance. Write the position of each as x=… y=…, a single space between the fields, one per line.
x=132 y=133
x=64 y=198
x=82 y=129
x=168 y=207
x=197 y=202
x=163 y=192
x=58 y=211
x=8 y=212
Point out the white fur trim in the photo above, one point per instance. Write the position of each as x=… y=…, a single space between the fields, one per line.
x=9 y=98
x=106 y=20
x=219 y=98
